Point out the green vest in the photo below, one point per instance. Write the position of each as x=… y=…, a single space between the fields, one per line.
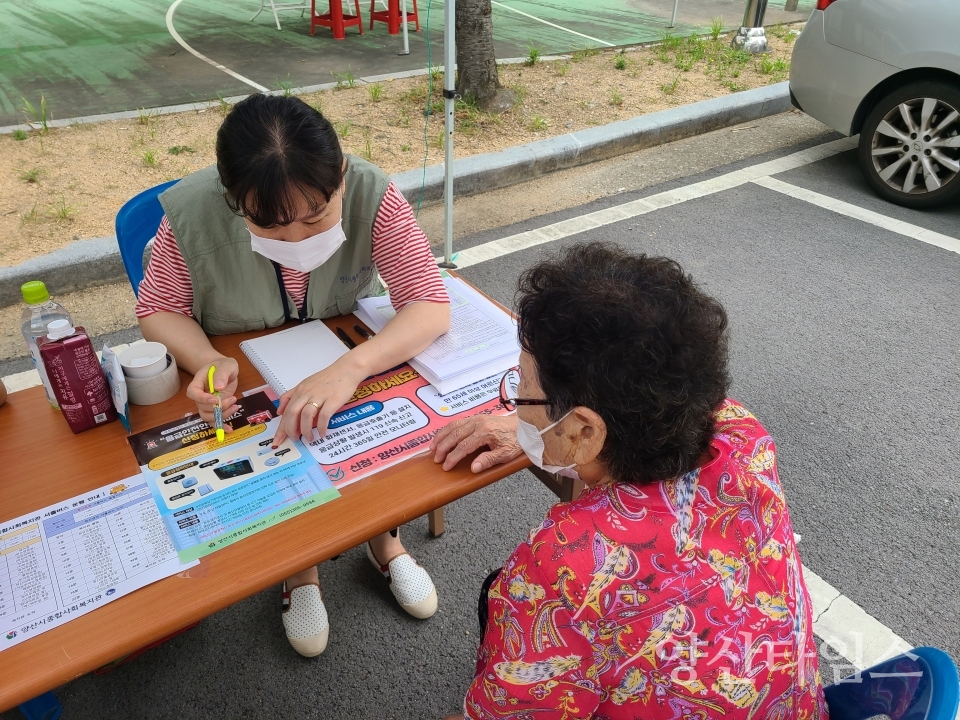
x=236 y=289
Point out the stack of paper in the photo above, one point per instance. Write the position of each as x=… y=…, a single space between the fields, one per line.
x=482 y=340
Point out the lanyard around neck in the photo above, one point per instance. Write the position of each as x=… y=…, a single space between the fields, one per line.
x=301 y=311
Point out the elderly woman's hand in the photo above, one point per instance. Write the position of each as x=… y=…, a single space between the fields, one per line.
x=462 y=437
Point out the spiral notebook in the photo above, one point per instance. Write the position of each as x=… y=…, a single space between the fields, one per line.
x=288 y=357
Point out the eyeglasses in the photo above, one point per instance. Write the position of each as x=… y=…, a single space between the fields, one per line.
x=508 y=387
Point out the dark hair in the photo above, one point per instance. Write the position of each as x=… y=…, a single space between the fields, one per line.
x=634 y=339
x=273 y=151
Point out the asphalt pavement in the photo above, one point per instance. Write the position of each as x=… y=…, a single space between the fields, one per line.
x=844 y=344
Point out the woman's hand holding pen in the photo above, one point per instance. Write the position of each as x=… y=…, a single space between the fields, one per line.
x=224 y=380
x=313 y=402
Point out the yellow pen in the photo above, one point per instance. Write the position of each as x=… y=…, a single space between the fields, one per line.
x=218 y=408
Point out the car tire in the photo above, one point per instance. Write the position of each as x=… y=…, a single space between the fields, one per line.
x=910 y=145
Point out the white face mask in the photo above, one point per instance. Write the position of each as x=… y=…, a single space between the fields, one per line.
x=531 y=441
x=306 y=255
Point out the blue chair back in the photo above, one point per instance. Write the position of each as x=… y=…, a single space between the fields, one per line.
x=919 y=685
x=42 y=707
x=136 y=223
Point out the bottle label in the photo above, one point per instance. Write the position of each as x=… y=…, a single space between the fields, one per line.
x=38 y=364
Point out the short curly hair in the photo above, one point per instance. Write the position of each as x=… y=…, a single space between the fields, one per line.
x=633 y=338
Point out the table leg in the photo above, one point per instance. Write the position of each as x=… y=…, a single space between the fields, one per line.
x=393 y=16
x=570 y=489
x=336 y=19
x=436 y=521
x=567 y=489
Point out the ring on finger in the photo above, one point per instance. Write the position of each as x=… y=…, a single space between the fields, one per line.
x=311 y=402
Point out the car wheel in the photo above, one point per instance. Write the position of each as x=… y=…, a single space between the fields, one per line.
x=910 y=145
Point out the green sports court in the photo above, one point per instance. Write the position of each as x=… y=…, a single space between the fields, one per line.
x=89 y=57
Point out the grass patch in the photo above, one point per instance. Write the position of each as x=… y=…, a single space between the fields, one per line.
x=180 y=150
x=144 y=117
x=37 y=115
x=32 y=176
x=768 y=66
x=343 y=129
x=60 y=211
x=29 y=217
x=620 y=61
x=345 y=80
x=616 y=98
x=375 y=92
x=534 y=53
x=716 y=27
x=19 y=135
x=584 y=53
x=537 y=124
x=149 y=158
x=367 y=152
x=671 y=87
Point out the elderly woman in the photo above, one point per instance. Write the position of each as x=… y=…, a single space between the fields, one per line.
x=672 y=587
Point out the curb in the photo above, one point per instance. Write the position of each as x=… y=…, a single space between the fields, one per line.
x=88 y=263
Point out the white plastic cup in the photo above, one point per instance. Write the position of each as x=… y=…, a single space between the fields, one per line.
x=144 y=360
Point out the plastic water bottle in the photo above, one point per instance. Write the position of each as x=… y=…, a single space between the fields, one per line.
x=39 y=313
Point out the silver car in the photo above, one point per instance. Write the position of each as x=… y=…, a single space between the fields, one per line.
x=889 y=70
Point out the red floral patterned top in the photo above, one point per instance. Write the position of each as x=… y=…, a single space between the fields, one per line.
x=682 y=599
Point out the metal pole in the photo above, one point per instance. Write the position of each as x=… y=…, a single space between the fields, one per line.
x=403 y=18
x=673 y=19
x=751 y=36
x=449 y=63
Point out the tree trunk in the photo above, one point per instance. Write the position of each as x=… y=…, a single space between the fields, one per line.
x=477 y=80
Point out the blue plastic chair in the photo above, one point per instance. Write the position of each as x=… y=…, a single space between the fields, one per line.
x=42 y=707
x=919 y=685
x=136 y=223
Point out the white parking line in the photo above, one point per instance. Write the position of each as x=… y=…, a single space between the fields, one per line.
x=850 y=630
x=868 y=216
x=573 y=226
x=218 y=66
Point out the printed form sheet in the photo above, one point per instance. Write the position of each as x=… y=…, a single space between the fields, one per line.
x=394 y=416
x=67 y=559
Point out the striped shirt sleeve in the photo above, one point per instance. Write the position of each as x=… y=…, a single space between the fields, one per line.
x=402 y=254
x=166 y=285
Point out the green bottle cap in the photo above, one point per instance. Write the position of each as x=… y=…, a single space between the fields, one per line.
x=34 y=292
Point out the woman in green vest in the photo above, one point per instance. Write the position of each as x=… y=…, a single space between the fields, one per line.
x=286 y=227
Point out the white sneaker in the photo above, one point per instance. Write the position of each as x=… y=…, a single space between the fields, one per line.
x=410 y=584
x=305 y=619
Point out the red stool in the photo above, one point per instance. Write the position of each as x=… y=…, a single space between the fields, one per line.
x=335 y=19
x=392 y=17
